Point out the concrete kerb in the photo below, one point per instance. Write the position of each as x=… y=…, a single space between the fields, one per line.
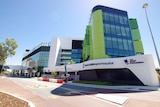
x=29 y=102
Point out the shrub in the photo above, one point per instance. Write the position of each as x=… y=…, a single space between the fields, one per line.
x=53 y=74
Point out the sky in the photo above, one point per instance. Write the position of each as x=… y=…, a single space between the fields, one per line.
x=31 y=22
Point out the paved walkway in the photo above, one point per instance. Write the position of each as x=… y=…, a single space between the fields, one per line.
x=6 y=85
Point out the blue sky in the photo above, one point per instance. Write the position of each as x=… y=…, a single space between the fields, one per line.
x=31 y=22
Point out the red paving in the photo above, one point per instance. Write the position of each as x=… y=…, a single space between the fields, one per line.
x=8 y=86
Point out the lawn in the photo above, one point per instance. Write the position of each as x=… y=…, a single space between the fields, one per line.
x=94 y=82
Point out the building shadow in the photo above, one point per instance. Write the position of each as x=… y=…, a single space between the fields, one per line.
x=74 y=90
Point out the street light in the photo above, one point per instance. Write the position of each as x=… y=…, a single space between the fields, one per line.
x=145 y=6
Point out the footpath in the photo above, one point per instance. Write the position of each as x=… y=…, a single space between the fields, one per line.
x=9 y=87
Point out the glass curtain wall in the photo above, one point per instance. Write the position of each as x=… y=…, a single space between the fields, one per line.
x=117 y=34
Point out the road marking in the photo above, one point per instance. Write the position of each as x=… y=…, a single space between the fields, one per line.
x=53 y=96
x=116 y=99
x=36 y=86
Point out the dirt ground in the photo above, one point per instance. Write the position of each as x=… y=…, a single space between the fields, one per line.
x=11 y=101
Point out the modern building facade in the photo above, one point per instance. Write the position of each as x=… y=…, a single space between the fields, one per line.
x=37 y=58
x=111 y=40
x=64 y=51
x=109 y=52
x=60 y=51
x=110 y=34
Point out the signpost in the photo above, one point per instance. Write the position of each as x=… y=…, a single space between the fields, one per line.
x=66 y=73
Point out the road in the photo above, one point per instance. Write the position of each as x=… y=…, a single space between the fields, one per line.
x=67 y=95
x=61 y=95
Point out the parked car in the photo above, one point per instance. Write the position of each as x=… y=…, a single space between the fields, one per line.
x=6 y=68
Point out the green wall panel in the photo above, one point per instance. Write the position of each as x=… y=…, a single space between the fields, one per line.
x=98 y=35
x=138 y=47
x=133 y=23
x=84 y=50
x=136 y=34
x=90 y=42
x=136 y=37
x=87 y=49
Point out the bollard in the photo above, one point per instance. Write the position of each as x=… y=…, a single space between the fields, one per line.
x=46 y=79
x=53 y=80
x=60 y=81
x=40 y=78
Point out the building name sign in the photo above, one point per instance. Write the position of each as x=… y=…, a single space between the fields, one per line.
x=98 y=63
x=132 y=61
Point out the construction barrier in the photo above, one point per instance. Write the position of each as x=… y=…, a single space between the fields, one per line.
x=60 y=81
x=46 y=79
x=51 y=80
x=40 y=78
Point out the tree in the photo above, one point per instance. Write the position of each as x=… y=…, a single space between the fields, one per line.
x=53 y=74
x=7 y=49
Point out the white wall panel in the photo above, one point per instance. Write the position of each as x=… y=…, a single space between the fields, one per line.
x=142 y=66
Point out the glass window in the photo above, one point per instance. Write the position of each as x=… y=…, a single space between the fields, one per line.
x=66 y=50
x=114 y=41
x=121 y=20
x=125 y=20
x=125 y=44
x=74 y=51
x=76 y=60
x=107 y=28
x=111 y=17
x=120 y=43
x=106 y=16
x=118 y=30
x=104 y=28
x=130 y=45
x=123 y=31
x=116 y=18
x=79 y=50
x=127 y=53
x=109 y=51
x=116 y=52
x=121 y=52
x=127 y=32
x=108 y=42
x=113 y=30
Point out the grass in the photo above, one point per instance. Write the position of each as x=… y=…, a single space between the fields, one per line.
x=101 y=83
x=94 y=82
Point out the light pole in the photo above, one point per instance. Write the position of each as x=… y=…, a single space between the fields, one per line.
x=145 y=6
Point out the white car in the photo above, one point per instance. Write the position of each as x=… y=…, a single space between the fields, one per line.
x=6 y=68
